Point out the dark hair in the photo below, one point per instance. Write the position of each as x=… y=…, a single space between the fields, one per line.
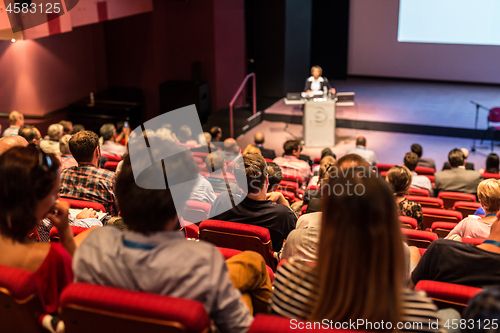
x=119 y=126
x=411 y=161
x=290 y=146
x=367 y=228
x=417 y=149
x=67 y=126
x=78 y=128
x=492 y=163
x=214 y=161
x=361 y=141
x=328 y=152
x=400 y=179
x=82 y=146
x=29 y=132
x=255 y=172
x=484 y=306
x=352 y=160
x=456 y=158
x=274 y=174
x=147 y=211
x=27 y=176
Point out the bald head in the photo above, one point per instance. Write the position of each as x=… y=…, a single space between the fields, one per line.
x=466 y=152
x=361 y=141
x=258 y=138
x=11 y=142
x=231 y=146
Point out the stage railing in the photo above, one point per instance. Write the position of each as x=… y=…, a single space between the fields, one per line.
x=238 y=93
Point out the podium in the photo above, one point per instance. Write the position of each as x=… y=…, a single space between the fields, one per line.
x=319 y=122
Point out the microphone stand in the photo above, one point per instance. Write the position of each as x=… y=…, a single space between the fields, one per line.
x=478 y=106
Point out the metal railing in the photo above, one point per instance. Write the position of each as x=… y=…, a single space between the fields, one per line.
x=231 y=104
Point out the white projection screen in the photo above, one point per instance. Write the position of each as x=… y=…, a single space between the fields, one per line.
x=456 y=40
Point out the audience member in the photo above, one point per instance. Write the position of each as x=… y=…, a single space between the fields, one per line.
x=218 y=173
x=16 y=120
x=184 y=135
x=67 y=126
x=86 y=181
x=31 y=134
x=361 y=150
x=312 y=197
x=468 y=166
x=78 y=128
x=492 y=164
x=9 y=142
x=458 y=179
x=483 y=312
x=275 y=176
x=400 y=179
x=417 y=181
x=122 y=133
x=67 y=160
x=30 y=187
x=488 y=192
x=231 y=149
x=369 y=288
x=257 y=207
x=422 y=162
x=252 y=149
x=151 y=255
x=325 y=152
x=325 y=161
x=216 y=133
x=290 y=163
x=110 y=147
x=51 y=145
x=259 y=142
x=202 y=190
x=462 y=263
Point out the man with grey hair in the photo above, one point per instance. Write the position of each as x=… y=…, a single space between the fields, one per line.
x=109 y=146
x=16 y=120
x=31 y=134
x=67 y=160
x=11 y=142
x=51 y=145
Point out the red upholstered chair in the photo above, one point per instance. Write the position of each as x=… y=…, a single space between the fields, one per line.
x=313 y=187
x=268 y=160
x=264 y=323
x=191 y=230
x=228 y=253
x=449 y=198
x=290 y=196
x=92 y=308
x=383 y=167
x=54 y=233
x=238 y=236
x=426 y=201
x=446 y=295
x=487 y=175
x=442 y=229
x=432 y=215
x=81 y=204
x=317 y=160
x=408 y=222
x=198 y=160
x=303 y=209
x=431 y=178
x=196 y=211
x=419 y=238
x=20 y=306
x=418 y=192
x=493 y=117
x=474 y=241
x=286 y=185
x=466 y=208
x=111 y=165
x=292 y=178
x=200 y=155
x=425 y=171
x=114 y=158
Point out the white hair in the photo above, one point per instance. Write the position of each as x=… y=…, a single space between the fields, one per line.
x=55 y=130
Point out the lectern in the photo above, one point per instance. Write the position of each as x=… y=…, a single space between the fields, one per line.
x=319 y=122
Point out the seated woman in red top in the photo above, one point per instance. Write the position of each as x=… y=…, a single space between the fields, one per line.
x=29 y=189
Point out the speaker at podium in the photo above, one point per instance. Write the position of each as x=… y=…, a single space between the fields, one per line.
x=319 y=122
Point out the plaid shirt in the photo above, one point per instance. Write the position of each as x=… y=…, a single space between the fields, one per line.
x=86 y=182
x=44 y=226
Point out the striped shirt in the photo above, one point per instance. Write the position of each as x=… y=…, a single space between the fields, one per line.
x=295 y=293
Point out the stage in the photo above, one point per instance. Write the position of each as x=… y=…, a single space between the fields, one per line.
x=393 y=114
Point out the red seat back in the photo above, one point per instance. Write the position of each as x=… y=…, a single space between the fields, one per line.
x=494 y=115
x=408 y=222
x=383 y=167
x=264 y=323
x=20 y=306
x=442 y=229
x=286 y=185
x=426 y=201
x=91 y=308
x=111 y=165
x=191 y=230
x=196 y=211
x=487 y=175
x=474 y=241
x=228 y=253
x=446 y=295
x=292 y=178
x=238 y=236
x=449 y=198
x=54 y=233
x=466 y=208
x=418 y=192
x=419 y=238
x=81 y=204
x=290 y=196
x=432 y=215
x=424 y=171
x=115 y=158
